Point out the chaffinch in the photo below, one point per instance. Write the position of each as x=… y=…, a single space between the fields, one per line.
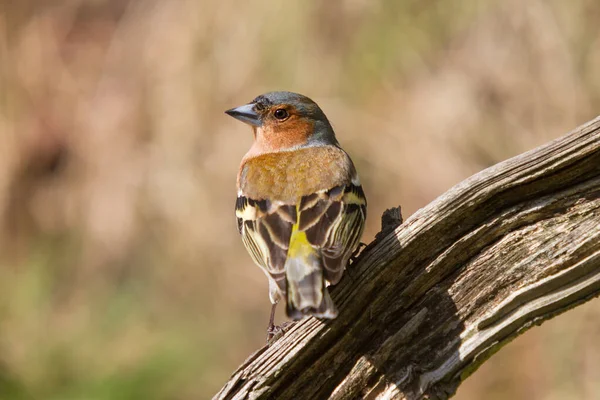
x=300 y=208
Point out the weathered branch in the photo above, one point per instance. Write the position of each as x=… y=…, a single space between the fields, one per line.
x=430 y=301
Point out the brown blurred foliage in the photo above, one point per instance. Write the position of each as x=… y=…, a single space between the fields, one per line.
x=121 y=272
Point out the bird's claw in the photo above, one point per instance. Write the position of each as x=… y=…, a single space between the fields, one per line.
x=356 y=255
x=274 y=332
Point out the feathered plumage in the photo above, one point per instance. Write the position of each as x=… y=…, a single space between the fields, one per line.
x=300 y=207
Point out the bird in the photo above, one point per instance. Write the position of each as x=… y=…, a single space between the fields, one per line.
x=300 y=206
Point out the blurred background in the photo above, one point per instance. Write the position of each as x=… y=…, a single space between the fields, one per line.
x=122 y=275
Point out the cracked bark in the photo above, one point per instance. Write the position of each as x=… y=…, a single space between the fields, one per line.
x=428 y=302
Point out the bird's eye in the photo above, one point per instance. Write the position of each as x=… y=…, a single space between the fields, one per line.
x=280 y=113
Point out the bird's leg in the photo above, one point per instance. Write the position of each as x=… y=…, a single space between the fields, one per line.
x=272 y=329
x=274 y=332
x=272 y=318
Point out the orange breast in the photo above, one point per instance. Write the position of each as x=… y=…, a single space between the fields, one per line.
x=288 y=175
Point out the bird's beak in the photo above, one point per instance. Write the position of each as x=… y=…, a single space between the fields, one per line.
x=245 y=114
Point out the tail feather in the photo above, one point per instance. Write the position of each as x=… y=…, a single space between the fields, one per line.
x=307 y=292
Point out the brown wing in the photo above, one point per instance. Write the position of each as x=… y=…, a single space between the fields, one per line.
x=334 y=221
x=266 y=229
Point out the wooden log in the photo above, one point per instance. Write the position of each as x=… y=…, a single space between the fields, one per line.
x=430 y=300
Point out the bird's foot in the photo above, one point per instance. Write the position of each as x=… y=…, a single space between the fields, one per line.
x=356 y=255
x=274 y=332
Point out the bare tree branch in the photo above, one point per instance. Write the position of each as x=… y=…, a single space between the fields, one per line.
x=431 y=300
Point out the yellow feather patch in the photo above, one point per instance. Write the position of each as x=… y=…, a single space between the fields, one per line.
x=247 y=214
x=299 y=245
x=353 y=198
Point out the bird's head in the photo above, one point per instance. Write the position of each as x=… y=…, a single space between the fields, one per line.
x=285 y=120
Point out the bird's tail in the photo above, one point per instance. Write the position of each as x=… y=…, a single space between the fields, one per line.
x=307 y=293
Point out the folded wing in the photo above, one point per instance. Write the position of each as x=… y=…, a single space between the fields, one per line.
x=332 y=220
